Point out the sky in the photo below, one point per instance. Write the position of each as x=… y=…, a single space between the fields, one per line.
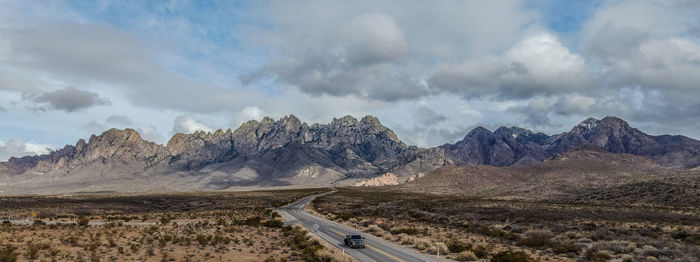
x=429 y=70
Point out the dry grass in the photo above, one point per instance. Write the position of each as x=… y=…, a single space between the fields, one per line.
x=185 y=228
x=544 y=231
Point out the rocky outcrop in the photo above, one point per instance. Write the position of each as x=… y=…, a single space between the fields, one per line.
x=388 y=179
x=195 y=150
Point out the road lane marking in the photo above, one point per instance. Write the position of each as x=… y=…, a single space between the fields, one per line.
x=336 y=231
x=385 y=253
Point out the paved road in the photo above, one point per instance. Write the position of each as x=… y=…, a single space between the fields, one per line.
x=376 y=249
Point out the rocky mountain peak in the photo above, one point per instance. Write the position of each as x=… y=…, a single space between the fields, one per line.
x=370 y=120
x=291 y=123
x=588 y=124
x=519 y=131
x=479 y=131
x=504 y=132
x=344 y=121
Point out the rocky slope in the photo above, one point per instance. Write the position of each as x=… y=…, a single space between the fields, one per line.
x=509 y=146
x=289 y=152
x=587 y=174
x=388 y=179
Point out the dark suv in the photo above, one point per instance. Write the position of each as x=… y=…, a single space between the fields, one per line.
x=355 y=241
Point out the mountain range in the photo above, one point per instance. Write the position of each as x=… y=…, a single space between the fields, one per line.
x=290 y=153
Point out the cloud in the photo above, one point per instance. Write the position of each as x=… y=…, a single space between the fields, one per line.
x=70 y=99
x=646 y=69
x=372 y=39
x=188 y=124
x=76 y=54
x=17 y=148
x=426 y=116
x=378 y=51
x=538 y=111
x=95 y=127
x=252 y=113
x=538 y=64
x=150 y=133
x=359 y=61
x=120 y=120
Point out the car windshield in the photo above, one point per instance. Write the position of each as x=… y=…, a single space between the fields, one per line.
x=356 y=237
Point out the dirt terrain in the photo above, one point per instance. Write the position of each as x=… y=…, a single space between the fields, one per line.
x=481 y=229
x=236 y=226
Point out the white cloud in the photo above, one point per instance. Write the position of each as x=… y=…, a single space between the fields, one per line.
x=150 y=133
x=188 y=124
x=17 y=148
x=251 y=113
x=538 y=64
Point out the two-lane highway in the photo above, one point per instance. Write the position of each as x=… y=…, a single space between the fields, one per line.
x=376 y=249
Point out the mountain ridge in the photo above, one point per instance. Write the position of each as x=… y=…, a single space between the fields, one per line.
x=346 y=151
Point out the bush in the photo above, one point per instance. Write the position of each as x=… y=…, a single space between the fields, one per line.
x=466 y=255
x=273 y=223
x=565 y=247
x=481 y=252
x=407 y=231
x=615 y=246
x=509 y=256
x=597 y=255
x=83 y=221
x=7 y=254
x=536 y=238
x=435 y=246
x=421 y=243
x=457 y=246
x=164 y=220
x=253 y=221
x=39 y=222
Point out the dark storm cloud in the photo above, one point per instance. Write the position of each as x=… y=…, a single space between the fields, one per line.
x=70 y=99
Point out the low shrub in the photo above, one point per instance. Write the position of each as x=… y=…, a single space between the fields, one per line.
x=510 y=256
x=83 y=221
x=457 y=246
x=407 y=231
x=481 y=251
x=7 y=253
x=466 y=255
x=536 y=238
x=273 y=223
x=597 y=255
x=421 y=243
